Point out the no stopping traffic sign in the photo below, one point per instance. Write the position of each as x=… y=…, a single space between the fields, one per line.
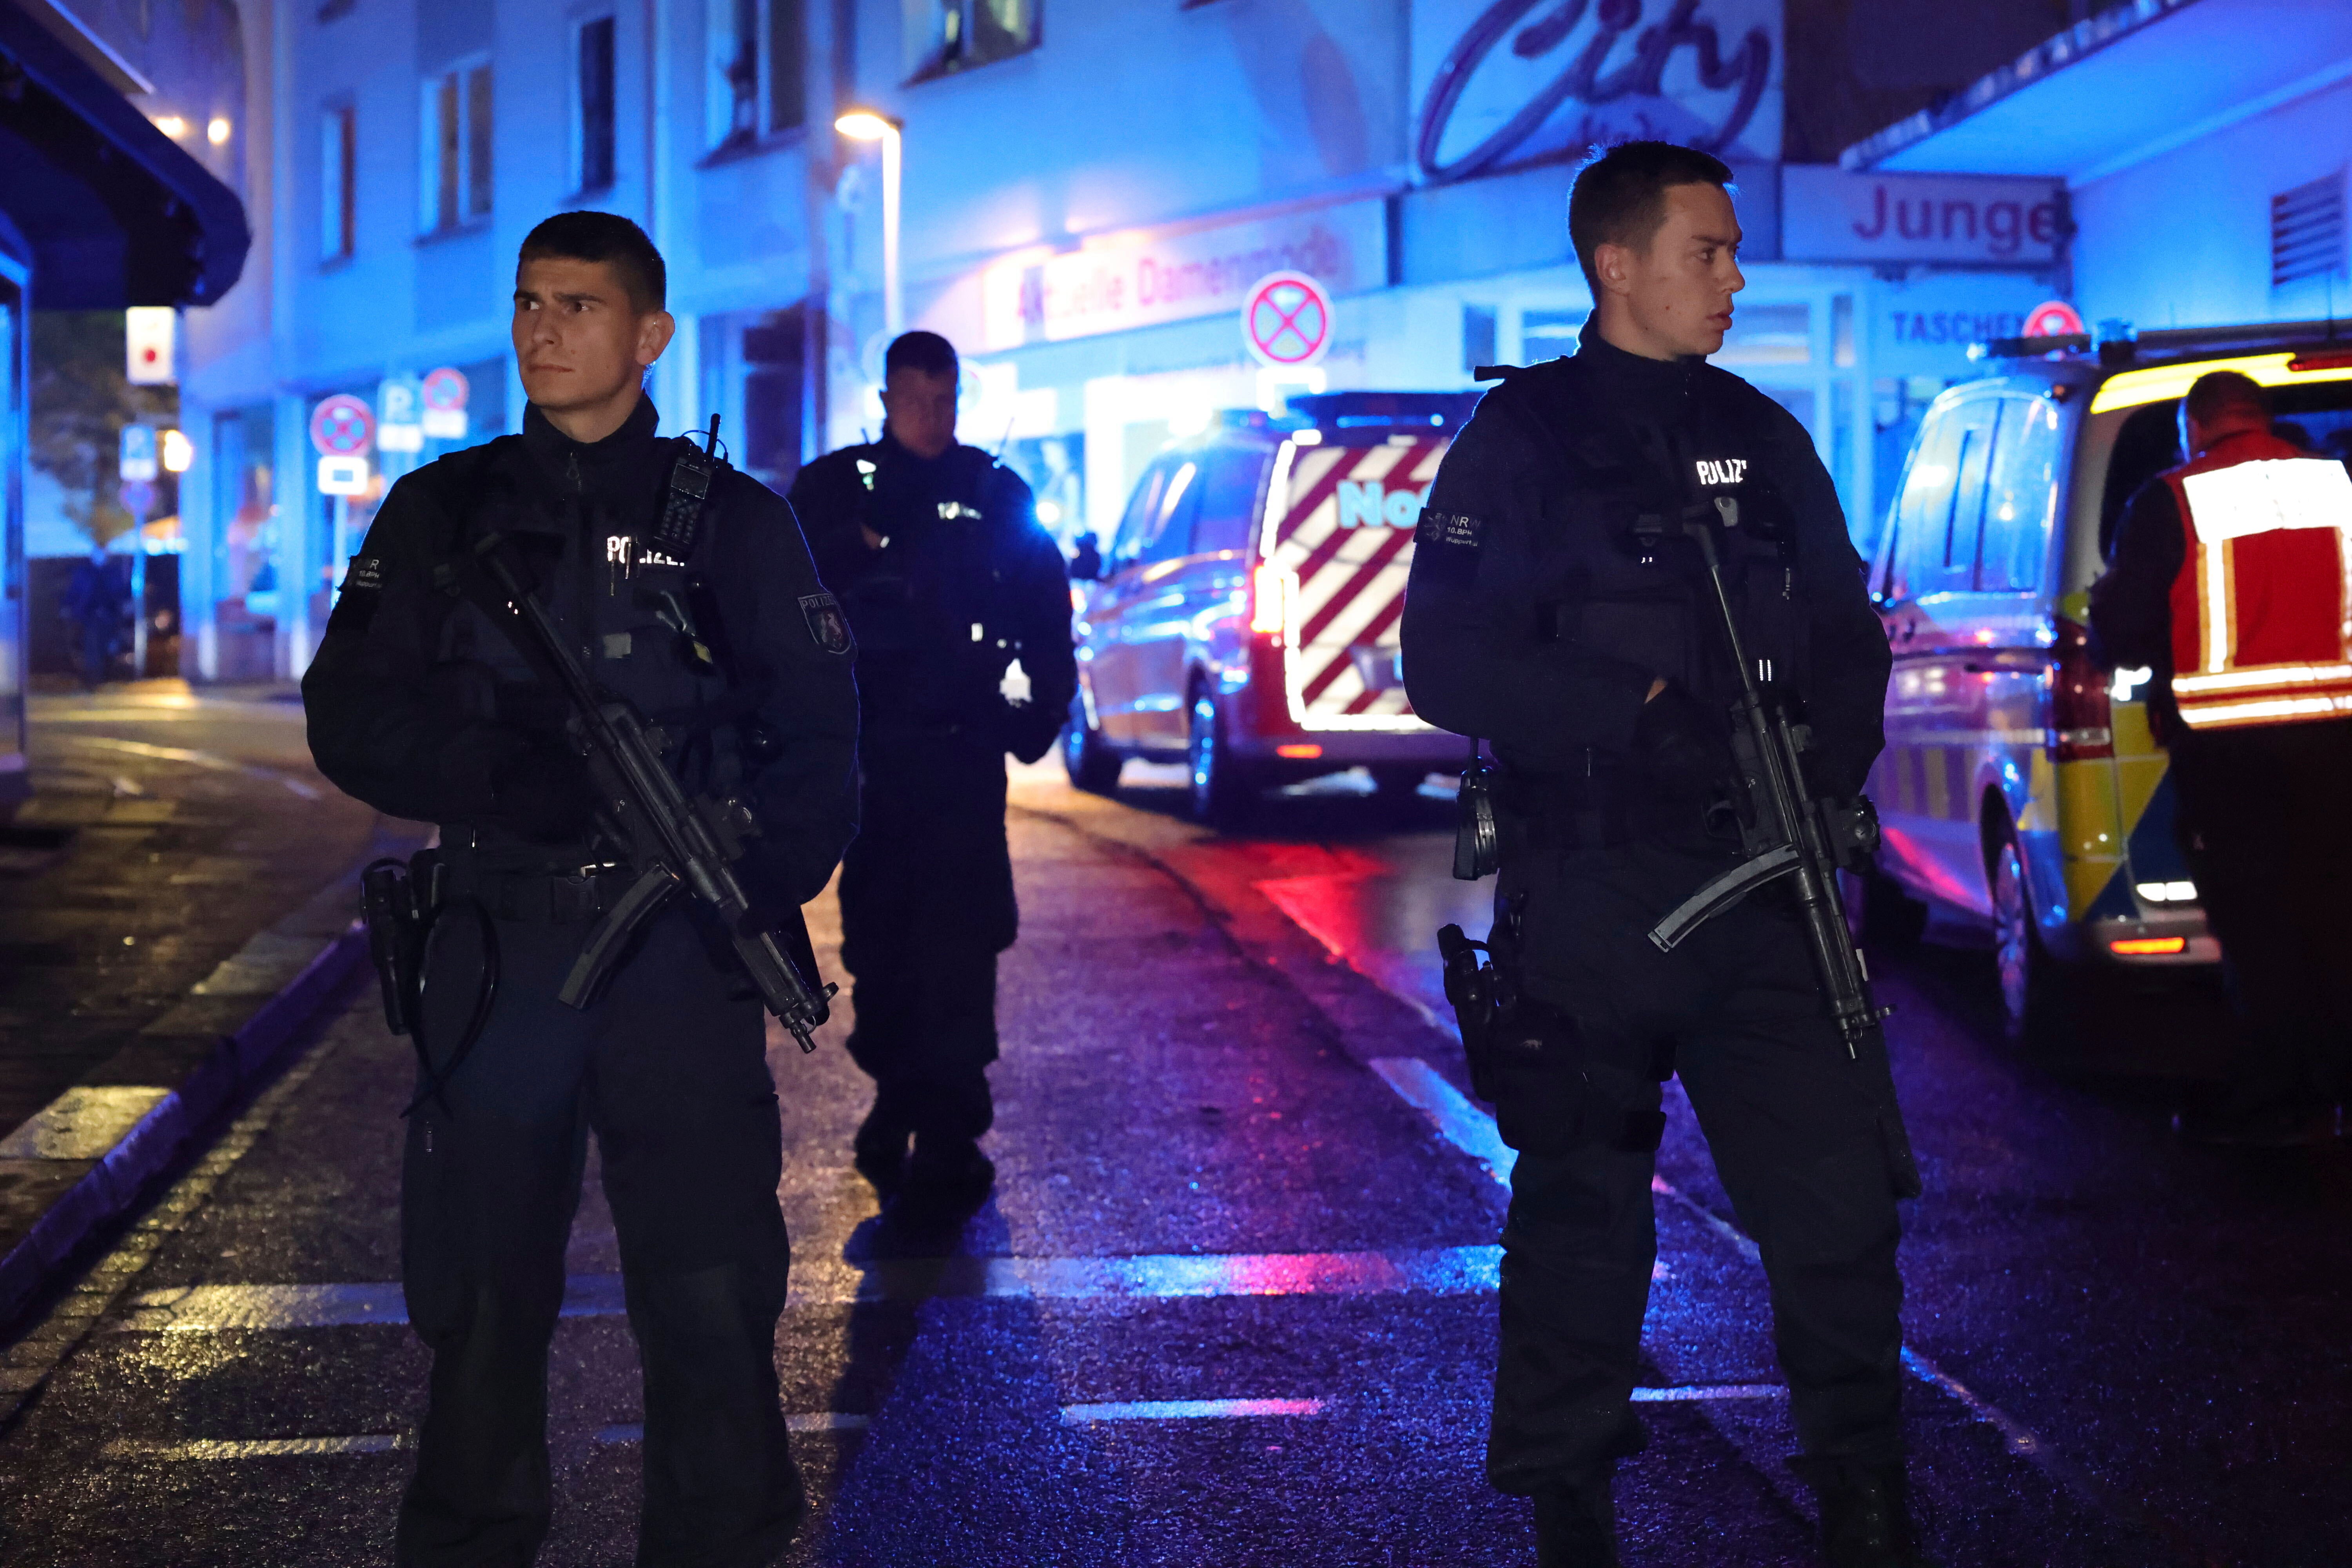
x=341 y=426
x=1287 y=320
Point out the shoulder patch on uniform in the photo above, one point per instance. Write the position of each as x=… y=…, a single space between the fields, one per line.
x=1445 y=547
x=827 y=627
x=366 y=573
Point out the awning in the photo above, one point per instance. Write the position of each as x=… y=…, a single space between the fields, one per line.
x=114 y=211
x=2131 y=83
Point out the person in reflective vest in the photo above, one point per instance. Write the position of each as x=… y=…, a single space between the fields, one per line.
x=2227 y=582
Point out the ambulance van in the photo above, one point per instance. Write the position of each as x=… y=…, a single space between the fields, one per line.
x=1246 y=620
x=2021 y=789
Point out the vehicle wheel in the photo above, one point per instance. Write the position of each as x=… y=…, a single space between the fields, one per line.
x=1093 y=767
x=2036 y=990
x=1880 y=914
x=1221 y=795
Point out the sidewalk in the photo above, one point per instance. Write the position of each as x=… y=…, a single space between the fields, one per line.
x=175 y=902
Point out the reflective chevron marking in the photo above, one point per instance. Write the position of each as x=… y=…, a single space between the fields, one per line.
x=1347 y=534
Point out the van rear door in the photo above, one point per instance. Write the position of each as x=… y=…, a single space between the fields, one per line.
x=1340 y=526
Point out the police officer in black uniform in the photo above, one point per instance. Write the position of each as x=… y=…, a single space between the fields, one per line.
x=960 y=603
x=420 y=704
x=1538 y=618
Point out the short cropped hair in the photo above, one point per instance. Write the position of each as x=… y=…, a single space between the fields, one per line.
x=2217 y=396
x=925 y=351
x=607 y=237
x=1620 y=196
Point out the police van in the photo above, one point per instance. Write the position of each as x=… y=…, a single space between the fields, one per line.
x=2020 y=789
x=1245 y=617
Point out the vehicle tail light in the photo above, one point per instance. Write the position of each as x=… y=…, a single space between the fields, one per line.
x=2078 y=707
x=1302 y=753
x=1273 y=592
x=2139 y=946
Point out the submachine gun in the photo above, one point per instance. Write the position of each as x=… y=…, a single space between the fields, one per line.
x=1784 y=830
x=670 y=842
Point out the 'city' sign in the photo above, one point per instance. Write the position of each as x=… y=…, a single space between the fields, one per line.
x=1524 y=81
x=1836 y=215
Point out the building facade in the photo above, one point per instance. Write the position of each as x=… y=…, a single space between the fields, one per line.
x=2203 y=145
x=1092 y=190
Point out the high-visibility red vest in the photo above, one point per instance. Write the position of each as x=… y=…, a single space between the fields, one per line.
x=2261 y=612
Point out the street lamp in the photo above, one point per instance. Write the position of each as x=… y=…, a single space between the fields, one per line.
x=866 y=125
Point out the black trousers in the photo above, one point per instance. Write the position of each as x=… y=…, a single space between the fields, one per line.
x=670 y=1070
x=2266 y=821
x=926 y=906
x=1804 y=1137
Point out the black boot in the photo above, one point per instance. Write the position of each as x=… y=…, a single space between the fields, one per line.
x=947 y=1181
x=1865 y=1518
x=879 y=1152
x=1576 y=1525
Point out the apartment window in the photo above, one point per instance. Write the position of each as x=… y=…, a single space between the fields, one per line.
x=458 y=125
x=2307 y=231
x=337 y=209
x=756 y=61
x=592 y=162
x=944 y=36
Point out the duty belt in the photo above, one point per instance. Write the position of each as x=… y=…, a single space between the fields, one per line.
x=558 y=898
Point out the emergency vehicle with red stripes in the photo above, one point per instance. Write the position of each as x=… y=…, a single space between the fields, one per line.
x=1245 y=620
x=2022 y=788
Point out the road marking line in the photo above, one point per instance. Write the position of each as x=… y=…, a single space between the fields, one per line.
x=1440 y=1271
x=257 y=1447
x=197 y=760
x=1697 y=1393
x=1190 y=1409
x=1458 y=1121
x=817 y=1421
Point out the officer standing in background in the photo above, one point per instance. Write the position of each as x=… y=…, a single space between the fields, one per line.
x=1537 y=618
x=2228 y=584
x=421 y=705
x=960 y=603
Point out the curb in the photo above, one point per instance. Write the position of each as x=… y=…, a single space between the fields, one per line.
x=175 y=1123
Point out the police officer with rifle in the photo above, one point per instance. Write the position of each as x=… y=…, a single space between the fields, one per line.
x=603 y=662
x=1634 y=580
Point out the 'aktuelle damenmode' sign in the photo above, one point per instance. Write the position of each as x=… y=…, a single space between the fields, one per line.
x=1142 y=279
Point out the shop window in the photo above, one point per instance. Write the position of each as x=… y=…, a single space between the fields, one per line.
x=594 y=130
x=338 y=158
x=947 y=36
x=2307 y=231
x=1548 y=334
x=2021 y=496
x=459 y=130
x=1477 y=337
x=757 y=56
x=1055 y=470
x=1769 y=335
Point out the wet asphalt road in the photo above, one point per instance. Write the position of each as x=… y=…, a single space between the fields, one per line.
x=1231 y=1302
x=167 y=825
